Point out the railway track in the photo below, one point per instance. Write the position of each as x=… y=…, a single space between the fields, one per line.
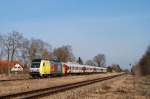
x=13 y=80
x=9 y=80
x=47 y=91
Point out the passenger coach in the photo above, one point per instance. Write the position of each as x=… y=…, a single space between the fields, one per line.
x=77 y=68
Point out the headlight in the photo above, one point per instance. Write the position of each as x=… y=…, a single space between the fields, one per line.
x=34 y=69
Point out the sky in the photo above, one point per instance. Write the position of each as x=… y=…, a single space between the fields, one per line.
x=120 y=29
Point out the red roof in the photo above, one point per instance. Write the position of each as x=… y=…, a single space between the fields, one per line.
x=8 y=63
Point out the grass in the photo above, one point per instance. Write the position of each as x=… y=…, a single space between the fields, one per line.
x=143 y=86
x=14 y=76
x=122 y=90
x=105 y=87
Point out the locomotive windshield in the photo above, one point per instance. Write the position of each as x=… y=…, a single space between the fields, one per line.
x=35 y=65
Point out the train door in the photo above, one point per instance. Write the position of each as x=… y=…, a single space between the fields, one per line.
x=44 y=68
x=66 y=68
x=83 y=69
x=63 y=69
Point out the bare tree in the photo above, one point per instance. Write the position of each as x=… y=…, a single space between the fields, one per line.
x=12 y=41
x=47 y=54
x=1 y=47
x=71 y=55
x=35 y=48
x=25 y=49
x=100 y=60
x=64 y=53
x=7 y=45
x=116 y=67
x=41 y=48
x=90 y=62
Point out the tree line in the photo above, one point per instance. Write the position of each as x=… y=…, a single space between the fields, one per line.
x=14 y=46
x=142 y=68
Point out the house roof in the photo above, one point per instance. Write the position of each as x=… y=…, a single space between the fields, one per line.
x=8 y=63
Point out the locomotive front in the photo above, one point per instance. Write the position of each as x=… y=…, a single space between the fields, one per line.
x=35 y=68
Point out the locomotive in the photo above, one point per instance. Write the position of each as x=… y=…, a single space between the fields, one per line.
x=47 y=68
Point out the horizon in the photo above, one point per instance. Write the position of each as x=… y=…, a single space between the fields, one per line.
x=120 y=30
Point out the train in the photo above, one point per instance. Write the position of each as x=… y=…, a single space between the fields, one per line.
x=48 y=68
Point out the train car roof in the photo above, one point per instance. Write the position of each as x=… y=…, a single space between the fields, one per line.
x=78 y=65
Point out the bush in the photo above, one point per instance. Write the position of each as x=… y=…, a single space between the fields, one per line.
x=136 y=70
x=116 y=68
x=109 y=69
x=143 y=66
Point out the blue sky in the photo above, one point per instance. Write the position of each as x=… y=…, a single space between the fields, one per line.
x=118 y=28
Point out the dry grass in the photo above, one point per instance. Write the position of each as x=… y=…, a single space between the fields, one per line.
x=14 y=76
x=117 y=88
x=105 y=87
x=122 y=90
x=143 y=86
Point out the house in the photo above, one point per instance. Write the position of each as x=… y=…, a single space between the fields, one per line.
x=5 y=66
x=17 y=68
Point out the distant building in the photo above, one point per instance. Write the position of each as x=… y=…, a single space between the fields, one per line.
x=6 y=66
x=7 y=63
x=17 y=68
